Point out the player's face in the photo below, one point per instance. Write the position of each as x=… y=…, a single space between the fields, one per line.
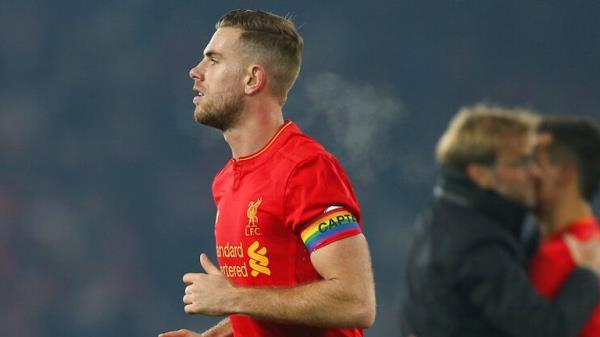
x=548 y=184
x=514 y=172
x=218 y=81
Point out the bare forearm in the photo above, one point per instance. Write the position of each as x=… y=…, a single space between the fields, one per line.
x=322 y=303
x=222 y=329
x=345 y=297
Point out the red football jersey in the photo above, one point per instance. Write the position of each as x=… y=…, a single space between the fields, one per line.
x=273 y=209
x=553 y=263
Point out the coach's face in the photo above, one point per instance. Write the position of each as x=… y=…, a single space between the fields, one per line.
x=218 y=81
x=515 y=171
x=513 y=174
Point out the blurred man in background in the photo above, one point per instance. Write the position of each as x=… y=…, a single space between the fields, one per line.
x=467 y=266
x=292 y=257
x=568 y=157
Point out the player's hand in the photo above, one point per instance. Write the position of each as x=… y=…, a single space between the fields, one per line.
x=585 y=254
x=180 y=333
x=207 y=293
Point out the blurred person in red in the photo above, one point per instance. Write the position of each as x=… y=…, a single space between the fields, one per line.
x=292 y=257
x=568 y=157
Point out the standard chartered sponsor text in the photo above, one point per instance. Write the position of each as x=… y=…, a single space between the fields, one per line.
x=229 y=250
x=236 y=268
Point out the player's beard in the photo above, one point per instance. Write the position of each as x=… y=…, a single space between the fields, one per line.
x=221 y=112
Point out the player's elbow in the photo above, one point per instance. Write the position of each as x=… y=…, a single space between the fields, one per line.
x=366 y=314
x=364 y=319
x=363 y=311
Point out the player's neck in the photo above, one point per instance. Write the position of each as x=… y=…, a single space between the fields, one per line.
x=570 y=209
x=254 y=131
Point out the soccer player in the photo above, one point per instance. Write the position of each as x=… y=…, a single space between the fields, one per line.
x=292 y=257
x=467 y=266
x=568 y=157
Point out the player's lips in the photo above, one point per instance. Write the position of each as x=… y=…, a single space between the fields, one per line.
x=199 y=95
x=197 y=98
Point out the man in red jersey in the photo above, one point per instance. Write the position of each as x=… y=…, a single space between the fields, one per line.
x=568 y=157
x=292 y=257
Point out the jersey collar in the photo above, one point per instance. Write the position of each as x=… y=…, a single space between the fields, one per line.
x=287 y=129
x=579 y=226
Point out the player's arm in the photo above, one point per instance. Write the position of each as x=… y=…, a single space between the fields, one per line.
x=223 y=329
x=345 y=297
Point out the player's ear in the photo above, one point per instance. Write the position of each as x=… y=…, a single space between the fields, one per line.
x=255 y=80
x=568 y=174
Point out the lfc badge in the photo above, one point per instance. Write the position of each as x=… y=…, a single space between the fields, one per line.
x=252 y=226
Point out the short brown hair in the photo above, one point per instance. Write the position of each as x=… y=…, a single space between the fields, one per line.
x=577 y=140
x=277 y=43
x=476 y=134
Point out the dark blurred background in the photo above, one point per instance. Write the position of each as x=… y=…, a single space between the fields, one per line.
x=105 y=177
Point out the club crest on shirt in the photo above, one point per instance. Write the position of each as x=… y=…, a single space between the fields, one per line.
x=252 y=228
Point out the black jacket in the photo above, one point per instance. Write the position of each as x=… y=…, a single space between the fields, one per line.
x=467 y=272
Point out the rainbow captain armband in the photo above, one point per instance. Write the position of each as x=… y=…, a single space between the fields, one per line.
x=332 y=226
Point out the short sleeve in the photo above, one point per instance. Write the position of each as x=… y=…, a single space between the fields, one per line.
x=319 y=203
x=550 y=268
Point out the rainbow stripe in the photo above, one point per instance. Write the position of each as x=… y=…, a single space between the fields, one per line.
x=332 y=226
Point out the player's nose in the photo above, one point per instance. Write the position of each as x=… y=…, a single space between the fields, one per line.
x=196 y=73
